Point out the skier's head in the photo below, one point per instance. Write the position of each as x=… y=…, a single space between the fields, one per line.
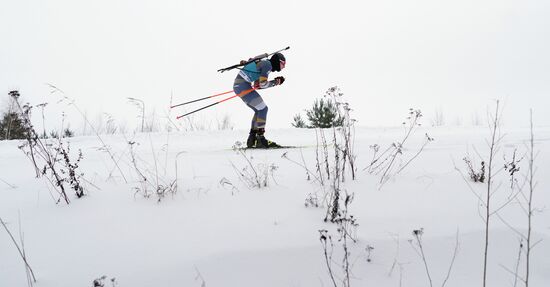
x=278 y=62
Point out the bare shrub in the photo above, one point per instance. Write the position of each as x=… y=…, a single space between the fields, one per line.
x=391 y=161
x=314 y=198
x=475 y=176
x=303 y=165
x=225 y=123
x=346 y=228
x=45 y=157
x=512 y=167
x=141 y=109
x=152 y=125
x=110 y=125
x=194 y=122
x=490 y=191
x=476 y=119
x=158 y=186
x=525 y=187
x=102 y=281
x=228 y=185
x=334 y=159
x=254 y=175
x=438 y=119
x=418 y=246
x=97 y=129
x=346 y=131
x=331 y=166
x=69 y=169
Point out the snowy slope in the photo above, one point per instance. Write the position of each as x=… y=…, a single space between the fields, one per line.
x=217 y=231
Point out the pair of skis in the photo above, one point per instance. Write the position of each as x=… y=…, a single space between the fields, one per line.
x=241 y=94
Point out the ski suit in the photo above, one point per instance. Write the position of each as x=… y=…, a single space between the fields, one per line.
x=251 y=73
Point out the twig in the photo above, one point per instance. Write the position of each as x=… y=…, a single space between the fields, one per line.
x=72 y=102
x=512 y=272
x=317 y=161
x=418 y=236
x=328 y=256
x=510 y=226
x=154 y=159
x=455 y=252
x=199 y=276
x=428 y=140
x=255 y=177
x=493 y=147
x=21 y=252
x=506 y=202
x=308 y=173
x=11 y=186
x=39 y=150
x=176 y=166
x=517 y=262
x=532 y=185
x=22 y=241
x=468 y=184
x=396 y=257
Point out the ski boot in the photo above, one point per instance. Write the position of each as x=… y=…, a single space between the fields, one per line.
x=262 y=142
x=251 y=141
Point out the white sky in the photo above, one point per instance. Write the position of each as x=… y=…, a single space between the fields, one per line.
x=386 y=56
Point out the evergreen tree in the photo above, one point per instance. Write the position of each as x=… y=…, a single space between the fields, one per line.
x=324 y=114
x=12 y=123
x=299 y=122
x=11 y=127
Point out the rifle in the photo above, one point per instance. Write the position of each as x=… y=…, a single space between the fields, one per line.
x=244 y=63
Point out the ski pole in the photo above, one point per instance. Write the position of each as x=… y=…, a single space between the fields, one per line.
x=218 y=102
x=244 y=63
x=216 y=95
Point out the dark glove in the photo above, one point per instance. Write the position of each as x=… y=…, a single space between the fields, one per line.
x=280 y=80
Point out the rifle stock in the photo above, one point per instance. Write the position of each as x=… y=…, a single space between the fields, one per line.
x=259 y=57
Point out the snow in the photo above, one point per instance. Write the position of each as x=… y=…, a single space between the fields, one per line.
x=215 y=234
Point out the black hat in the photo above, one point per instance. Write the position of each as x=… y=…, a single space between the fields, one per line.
x=276 y=61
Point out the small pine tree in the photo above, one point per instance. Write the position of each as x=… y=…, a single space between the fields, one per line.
x=299 y=122
x=12 y=124
x=68 y=133
x=324 y=114
x=11 y=127
x=54 y=134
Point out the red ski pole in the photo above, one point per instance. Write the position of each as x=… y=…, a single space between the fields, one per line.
x=205 y=98
x=218 y=102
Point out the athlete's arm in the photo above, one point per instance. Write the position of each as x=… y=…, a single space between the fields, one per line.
x=262 y=83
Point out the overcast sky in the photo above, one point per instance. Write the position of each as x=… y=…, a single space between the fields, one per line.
x=386 y=56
